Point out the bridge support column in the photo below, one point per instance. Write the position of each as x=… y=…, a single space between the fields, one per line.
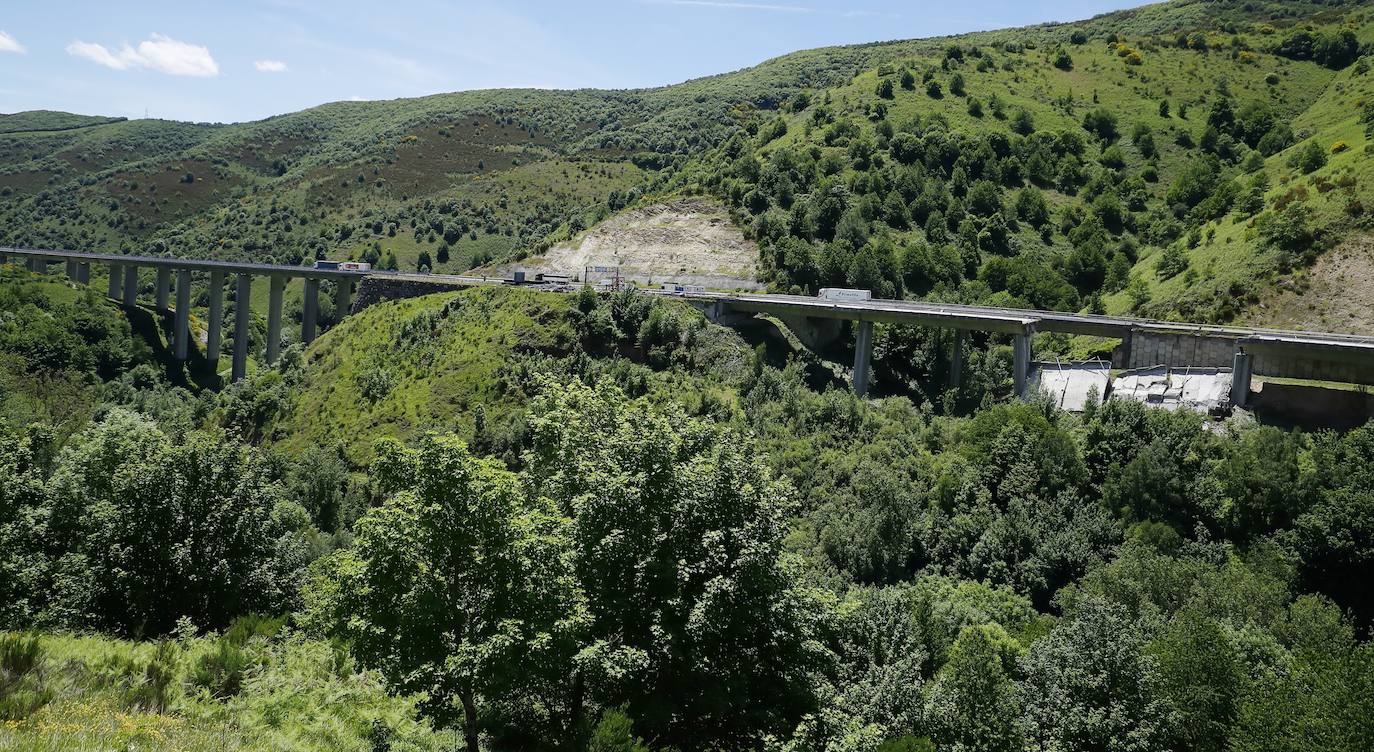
x=182 y=331
x=863 y=357
x=343 y=298
x=276 y=284
x=83 y=272
x=243 y=311
x=38 y=265
x=116 y=290
x=164 y=287
x=214 y=328
x=310 y=309
x=1240 y=379
x=1021 y=360
x=71 y=269
x=956 y=360
x=131 y=285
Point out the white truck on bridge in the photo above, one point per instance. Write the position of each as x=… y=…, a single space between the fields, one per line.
x=845 y=295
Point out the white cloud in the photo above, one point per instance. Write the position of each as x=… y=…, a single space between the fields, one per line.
x=10 y=44
x=269 y=66
x=159 y=53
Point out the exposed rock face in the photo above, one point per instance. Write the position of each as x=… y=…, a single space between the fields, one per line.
x=689 y=241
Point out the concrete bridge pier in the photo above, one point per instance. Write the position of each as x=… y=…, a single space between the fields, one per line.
x=310 y=309
x=131 y=285
x=1021 y=362
x=182 y=330
x=276 y=285
x=38 y=265
x=83 y=273
x=863 y=357
x=116 y=290
x=164 y=287
x=71 y=269
x=215 y=326
x=1240 y=379
x=343 y=298
x=243 y=311
x=956 y=359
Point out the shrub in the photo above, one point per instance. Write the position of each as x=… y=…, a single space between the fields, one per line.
x=1062 y=60
x=1173 y=262
x=21 y=686
x=1339 y=147
x=615 y=733
x=221 y=670
x=1309 y=158
x=149 y=687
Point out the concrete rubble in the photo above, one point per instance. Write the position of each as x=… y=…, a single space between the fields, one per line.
x=1070 y=385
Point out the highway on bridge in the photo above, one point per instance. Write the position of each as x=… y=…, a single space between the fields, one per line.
x=966 y=317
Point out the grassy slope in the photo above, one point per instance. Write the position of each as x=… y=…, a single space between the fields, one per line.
x=1320 y=104
x=298 y=694
x=437 y=376
x=439 y=357
x=1233 y=259
x=512 y=167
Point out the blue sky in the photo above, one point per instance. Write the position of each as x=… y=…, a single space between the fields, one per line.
x=231 y=61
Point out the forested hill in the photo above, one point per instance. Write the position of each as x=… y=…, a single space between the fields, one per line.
x=1099 y=118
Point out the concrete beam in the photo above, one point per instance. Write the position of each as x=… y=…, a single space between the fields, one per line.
x=215 y=326
x=956 y=360
x=950 y=317
x=116 y=290
x=1021 y=363
x=276 y=284
x=863 y=357
x=182 y=331
x=1240 y=379
x=164 y=287
x=131 y=285
x=310 y=309
x=243 y=312
x=343 y=298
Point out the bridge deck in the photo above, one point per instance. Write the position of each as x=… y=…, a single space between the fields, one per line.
x=968 y=317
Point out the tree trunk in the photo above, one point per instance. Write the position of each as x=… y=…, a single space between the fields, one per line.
x=579 y=690
x=469 y=719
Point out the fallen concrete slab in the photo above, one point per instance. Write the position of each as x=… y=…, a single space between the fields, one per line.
x=1071 y=385
x=1203 y=390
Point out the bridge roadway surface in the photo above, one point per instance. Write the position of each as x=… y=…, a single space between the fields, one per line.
x=967 y=317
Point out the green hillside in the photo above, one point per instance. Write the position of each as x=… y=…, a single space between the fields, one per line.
x=1118 y=165
x=509 y=520
x=458 y=180
x=439 y=362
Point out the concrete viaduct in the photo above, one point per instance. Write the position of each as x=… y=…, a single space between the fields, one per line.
x=124 y=280
x=1144 y=343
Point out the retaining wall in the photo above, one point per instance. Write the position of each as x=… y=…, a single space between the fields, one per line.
x=373 y=290
x=1146 y=348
